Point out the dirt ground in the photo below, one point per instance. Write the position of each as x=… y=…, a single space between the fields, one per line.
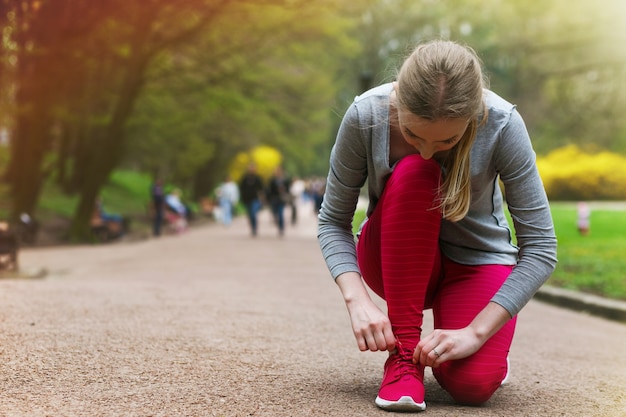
x=215 y=323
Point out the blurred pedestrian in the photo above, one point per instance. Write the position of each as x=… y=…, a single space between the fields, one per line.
x=583 y=221
x=176 y=211
x=228 y=197
x=278 y=196
x=297 y=191
x=318 y=187
x=157 y=194
x=250 y=191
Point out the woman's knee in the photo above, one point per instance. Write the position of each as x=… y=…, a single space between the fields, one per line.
x=414 y=176
x=469 y=386
x=416 y=166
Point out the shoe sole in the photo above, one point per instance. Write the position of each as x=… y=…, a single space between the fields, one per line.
x=508 y=373
x=405 y=403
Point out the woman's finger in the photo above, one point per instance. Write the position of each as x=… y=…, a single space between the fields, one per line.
x=371 y=342
x=390 y=338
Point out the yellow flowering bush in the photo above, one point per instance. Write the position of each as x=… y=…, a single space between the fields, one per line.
x=265 y=158
x=570 y=174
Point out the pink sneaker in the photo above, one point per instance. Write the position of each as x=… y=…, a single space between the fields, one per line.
x=402 y=388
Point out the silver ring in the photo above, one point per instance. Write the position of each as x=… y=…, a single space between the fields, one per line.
x=436 y=353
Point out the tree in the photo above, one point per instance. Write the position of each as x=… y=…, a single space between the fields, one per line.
x=110 y=48
x=181 y=87
x=561 y=62
x=268 y=81
x=32 y=79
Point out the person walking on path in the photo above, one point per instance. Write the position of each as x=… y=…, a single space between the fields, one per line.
x=228 y=197
x=251 y=189
x=278 y=196
x=296 y=189
x=157 y=194
x=431 y=146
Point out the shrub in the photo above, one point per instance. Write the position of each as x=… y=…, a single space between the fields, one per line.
x=570 y=174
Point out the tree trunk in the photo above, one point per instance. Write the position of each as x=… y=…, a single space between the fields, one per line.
x=24 y=172
x=107 y=150
x=31 y=135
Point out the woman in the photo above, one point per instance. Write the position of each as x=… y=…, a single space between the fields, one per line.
x=432 y=148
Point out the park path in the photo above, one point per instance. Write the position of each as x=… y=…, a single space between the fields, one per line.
x=215 y=323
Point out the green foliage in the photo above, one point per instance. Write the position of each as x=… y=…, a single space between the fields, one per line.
x=268 y=82
x=551 y=58
x=5 y=208
x=4 y=157
x=570 y=174
x=54 y=202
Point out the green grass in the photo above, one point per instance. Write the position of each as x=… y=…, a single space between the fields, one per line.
x=594 y=264
x=126 y=193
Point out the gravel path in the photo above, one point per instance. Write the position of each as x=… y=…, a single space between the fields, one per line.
x=215 y=323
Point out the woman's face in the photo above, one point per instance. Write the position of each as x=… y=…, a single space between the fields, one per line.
x=430 y=137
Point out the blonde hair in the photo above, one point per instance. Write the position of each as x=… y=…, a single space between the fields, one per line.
x=443 y=80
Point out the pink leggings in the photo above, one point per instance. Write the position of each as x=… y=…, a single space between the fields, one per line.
x=399 y=257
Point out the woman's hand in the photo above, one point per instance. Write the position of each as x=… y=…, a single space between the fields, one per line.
x=371 y=327
x=445 y=345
